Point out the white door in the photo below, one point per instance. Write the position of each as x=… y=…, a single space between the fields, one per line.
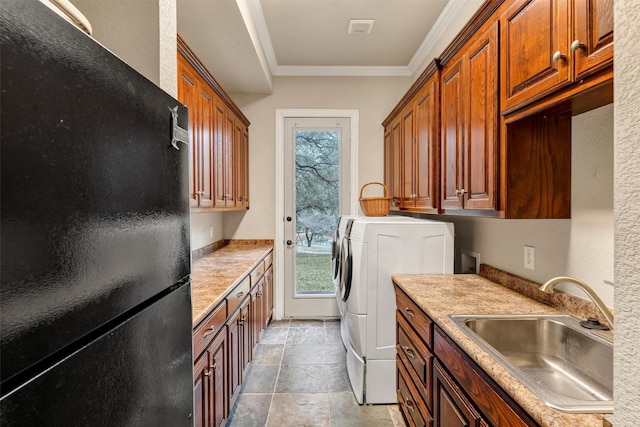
x=316 y=192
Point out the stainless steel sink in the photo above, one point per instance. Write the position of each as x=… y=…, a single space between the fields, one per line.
x=568 y=367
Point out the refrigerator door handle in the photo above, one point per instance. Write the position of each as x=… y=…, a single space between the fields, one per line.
x=178 y=134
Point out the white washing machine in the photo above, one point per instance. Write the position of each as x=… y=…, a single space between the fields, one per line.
x=344 y=224
x=336 y=271
x=372 y=251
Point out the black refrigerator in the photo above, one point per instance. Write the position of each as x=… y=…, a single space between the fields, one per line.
x=95 y=290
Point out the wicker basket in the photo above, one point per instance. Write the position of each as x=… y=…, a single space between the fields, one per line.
x=375 y=206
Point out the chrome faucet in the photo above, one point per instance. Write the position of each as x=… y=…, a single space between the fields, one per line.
x=550 y=284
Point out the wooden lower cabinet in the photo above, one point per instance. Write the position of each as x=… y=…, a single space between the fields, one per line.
x=224 y=343
x=439 y=384
x=452 y=408
x=210 y=398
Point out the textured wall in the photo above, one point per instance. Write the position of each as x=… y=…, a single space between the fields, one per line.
x=627 y=212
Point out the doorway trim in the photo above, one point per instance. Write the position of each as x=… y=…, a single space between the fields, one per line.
x=281 y=114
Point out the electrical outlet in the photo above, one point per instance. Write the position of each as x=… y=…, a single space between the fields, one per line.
x=529 y=257
x=211 y=231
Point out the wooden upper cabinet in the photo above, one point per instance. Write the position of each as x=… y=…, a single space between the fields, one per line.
x=242 y=166
x=481 y=138
x=427 y=142
x=470 y=118
x=407 y=197
x=548 y=44
x=535 y=45
x=199 y=98
x=592 y=45
x=388 y=163
x=187 y=94
x=452 y=92
x=219 y=165
x=219 y=139
x=412 y=140
x=395 y=186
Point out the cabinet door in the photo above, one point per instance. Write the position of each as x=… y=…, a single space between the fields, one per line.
x=242 y=165
x=245 y=333
x=388 y=163
x=257 y=306
x=452 y=133
x=481 y=138
x=426 y=147
x=229 y=170
x=218 y=156
x=206 y=106
x=533 y=31
x=451 y=408
x=218 y=369
x=201 y=395
x=407 y=197
x=235 y=357
x=593 y=40
x=396 y=148
x=188 y=95
x=268 y=296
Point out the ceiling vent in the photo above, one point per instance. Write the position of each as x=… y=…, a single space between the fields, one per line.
x=360 y=26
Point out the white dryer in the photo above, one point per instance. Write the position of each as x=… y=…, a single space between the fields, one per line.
x=376 y=250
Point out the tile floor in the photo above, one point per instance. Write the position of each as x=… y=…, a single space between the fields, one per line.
x=298 y=377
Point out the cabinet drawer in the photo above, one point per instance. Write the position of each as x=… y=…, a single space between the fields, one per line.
x=257 y=273
x=409 y=400
x=237 y=294
x=204 y=333
x=416 y=357
x=498 y=407
x=268 y=260
x=415 y=317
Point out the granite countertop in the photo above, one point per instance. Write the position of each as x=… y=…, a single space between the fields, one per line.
x=215 y=274
x=441 y=295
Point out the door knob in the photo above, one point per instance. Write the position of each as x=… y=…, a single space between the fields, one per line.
x=288 y=219
x=290 y=243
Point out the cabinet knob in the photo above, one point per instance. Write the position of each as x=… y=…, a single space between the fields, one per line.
x=208 y=373
x=577 y=45
x=558 y=56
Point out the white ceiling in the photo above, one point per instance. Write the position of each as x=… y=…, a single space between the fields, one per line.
x=243 y=43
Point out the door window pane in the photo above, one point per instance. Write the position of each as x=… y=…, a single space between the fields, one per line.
x=317 y=190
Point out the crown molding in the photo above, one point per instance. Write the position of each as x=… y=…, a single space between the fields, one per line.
x=346 y=71
x=260 y=24
x=444 y=20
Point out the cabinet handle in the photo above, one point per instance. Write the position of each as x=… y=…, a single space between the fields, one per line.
x=409 y=404
x=258 y=274
x=215 y=366
x=240 y=294
x=558 y=56
x=409 y=311
x=227 y=196
x=409 y=351
x=209 y=332
x=241 y=321
x=208 y=373
x=577 y=45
